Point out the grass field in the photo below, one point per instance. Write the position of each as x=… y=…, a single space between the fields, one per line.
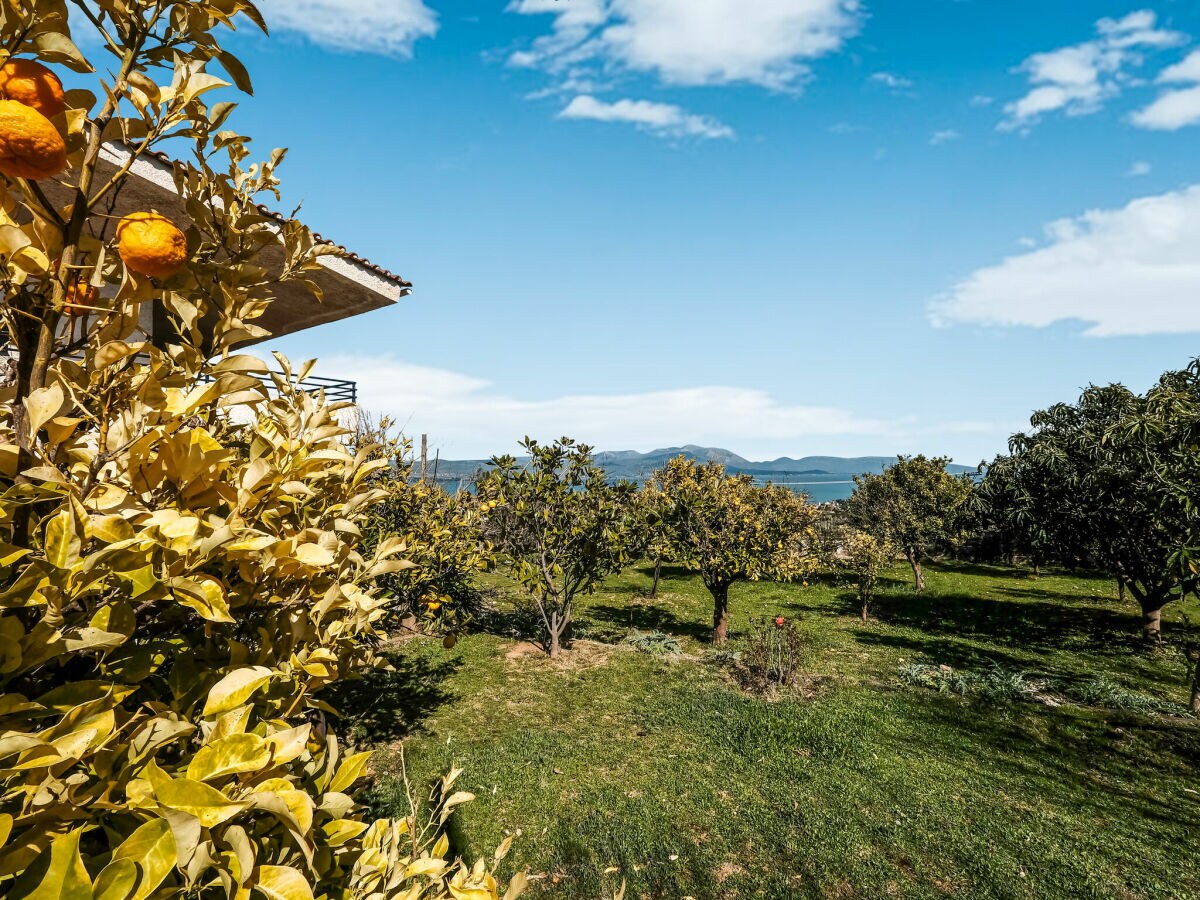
x=617 y=764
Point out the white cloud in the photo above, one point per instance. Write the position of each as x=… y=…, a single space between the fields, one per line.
x=388 y=27
x=1187 y=71
x=1170 y=112
x=888 y=80
x=944 y=136
x=662 y=119
x=1178 y=108
x=691 y=42
x=1139 y=169
x=470 y=418
x=1128 y=271
x=1077 y=80
x=981 y=100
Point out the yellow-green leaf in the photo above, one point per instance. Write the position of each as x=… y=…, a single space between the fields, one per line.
x=229 y=756
x=117 y=881
x=58 y=873
x=235 y=689
x=152 y=848
x=350 y=771
x=43 y=405
x=283 y=883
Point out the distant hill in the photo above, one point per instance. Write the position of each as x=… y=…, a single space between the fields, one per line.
x=634 y=465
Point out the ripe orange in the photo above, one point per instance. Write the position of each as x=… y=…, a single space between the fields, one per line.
x=81 y=295
x=30 y=146
x=150 y=244
x=28 y=81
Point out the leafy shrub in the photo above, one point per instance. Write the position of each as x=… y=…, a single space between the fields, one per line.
x=1103 y=691
x=772 y=654
x=865 y=557
x=181 y=574
x=996 y=683
x=654 y=643
x=1003 y=684
x=442 y=541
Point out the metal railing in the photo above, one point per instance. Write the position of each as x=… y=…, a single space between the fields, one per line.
x=336 y=389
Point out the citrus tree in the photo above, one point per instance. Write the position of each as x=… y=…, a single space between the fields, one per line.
x=916 y=505
x=443 y=542
x=727 y=528
x=655 y=535
x=180 y=571
x=559 y=527
x=865 y=557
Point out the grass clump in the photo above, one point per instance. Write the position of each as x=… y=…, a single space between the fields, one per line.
x=1103 y=691
x=995 y=683
x=654 y=643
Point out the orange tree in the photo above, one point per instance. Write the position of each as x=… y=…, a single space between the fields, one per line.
x=914 y=504
x=727 y=528
x=180 y=572
x=558 y=526
x=443 y=540
x=865 y=558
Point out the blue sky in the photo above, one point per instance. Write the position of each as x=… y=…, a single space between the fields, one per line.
x=820 y=227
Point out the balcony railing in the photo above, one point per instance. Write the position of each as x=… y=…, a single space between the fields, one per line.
x=336 y=389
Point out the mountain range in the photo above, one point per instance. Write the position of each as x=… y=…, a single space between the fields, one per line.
x=634 y=465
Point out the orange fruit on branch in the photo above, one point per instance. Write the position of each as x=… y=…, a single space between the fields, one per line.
x=28 y=81
x=30 y=145
x=151 y=244
x=82 y=298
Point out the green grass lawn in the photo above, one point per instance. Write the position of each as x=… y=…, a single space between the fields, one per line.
x=615 y=764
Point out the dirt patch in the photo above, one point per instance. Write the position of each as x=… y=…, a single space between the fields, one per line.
x=523 y=649
x=581 y=655
x=727 y=870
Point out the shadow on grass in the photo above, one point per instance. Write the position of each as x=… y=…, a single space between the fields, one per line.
x=942 y=650
x=387 y=706
x=986 y=570
x=613 y=621
x=1123 y=757
x=1026 y=624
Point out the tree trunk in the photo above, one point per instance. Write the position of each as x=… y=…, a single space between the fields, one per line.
x=657 y=575
x=1121 y=589
x=865 y=606
x=557 y=625
x=1152 y=618
x=1194 y=658
x=918 y=573
x=720 y=594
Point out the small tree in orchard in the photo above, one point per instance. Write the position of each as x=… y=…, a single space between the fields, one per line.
x=916 y=505
x=655 y=535
x=558 y=525
x=443 y=543
x=729 y=529
x=865 y=557
x=181 y=577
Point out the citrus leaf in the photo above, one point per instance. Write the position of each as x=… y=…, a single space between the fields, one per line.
x=235 y=689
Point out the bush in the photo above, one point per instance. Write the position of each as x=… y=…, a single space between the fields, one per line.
x=772 y=655
x=997 y=683
x=654 y=643
x=181 y=574
x=1103 y=691
x=441 y=536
